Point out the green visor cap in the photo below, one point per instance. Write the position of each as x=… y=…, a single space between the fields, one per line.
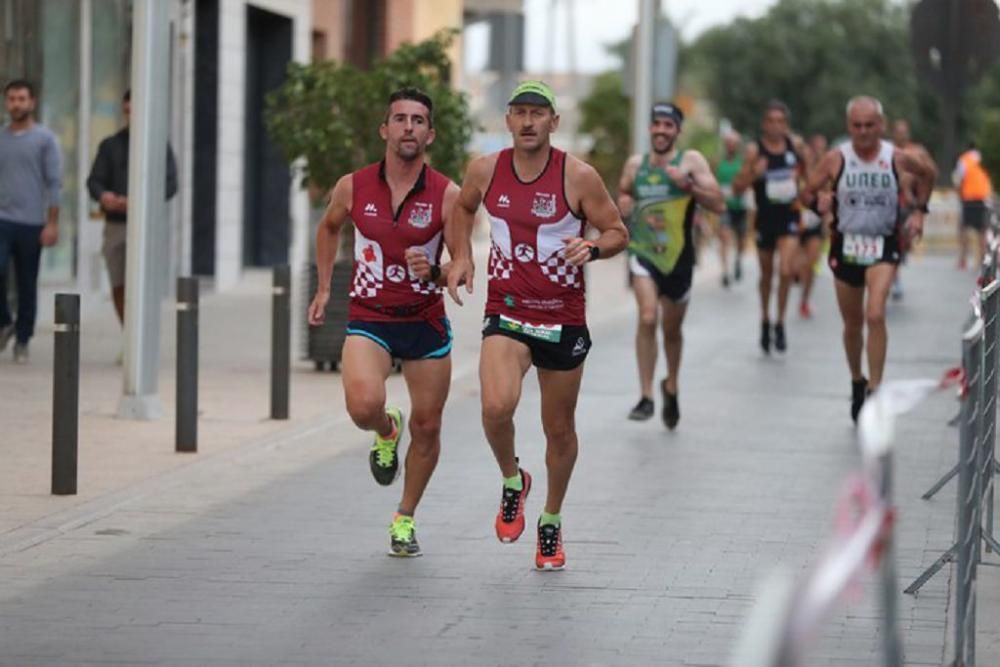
x=533 y=92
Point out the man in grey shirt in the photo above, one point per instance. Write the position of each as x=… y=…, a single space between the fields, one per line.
x=30 y=187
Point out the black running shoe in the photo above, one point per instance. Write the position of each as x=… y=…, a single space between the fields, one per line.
x=671 y=409
x=725 y=280
x=383 y=458
x=780 y=344
x=765 y=336
x=642 y=411
x=738 y=271
x=403 y=538
x=859 y=391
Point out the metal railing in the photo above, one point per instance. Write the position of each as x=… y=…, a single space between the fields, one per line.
x=789 y=614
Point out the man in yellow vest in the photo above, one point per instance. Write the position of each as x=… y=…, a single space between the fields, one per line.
x=976 y=192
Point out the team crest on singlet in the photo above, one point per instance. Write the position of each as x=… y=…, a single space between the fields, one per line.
x=421 y=215
x=524 y=252
x=544 y=205
x=395 y=273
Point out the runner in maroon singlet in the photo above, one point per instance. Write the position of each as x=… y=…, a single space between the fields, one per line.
x=399 y=207
x=539 y=200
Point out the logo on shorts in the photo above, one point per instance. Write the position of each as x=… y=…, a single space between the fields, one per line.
x=486 y=323
x=524 y=252
x=580 y=347
x=503 y=201
x=544 y=205
x=371 y=210
x=421 y=215
x=395 y=273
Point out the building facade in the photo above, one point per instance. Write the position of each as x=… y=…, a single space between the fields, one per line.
x=238 y=205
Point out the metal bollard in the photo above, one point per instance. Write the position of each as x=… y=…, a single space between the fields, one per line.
x=65 y=394
x=186 y=420
x=280 y=341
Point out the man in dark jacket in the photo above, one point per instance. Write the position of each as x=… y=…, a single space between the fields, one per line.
x=108 y=185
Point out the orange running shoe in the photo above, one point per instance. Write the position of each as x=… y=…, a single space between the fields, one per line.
x=510 y=518
x=550 y=554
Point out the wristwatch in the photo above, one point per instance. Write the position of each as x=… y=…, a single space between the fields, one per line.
x=595 y=252
x=922 y=208
x=435 y=272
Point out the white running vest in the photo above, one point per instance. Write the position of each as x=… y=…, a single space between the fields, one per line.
x=867 y=193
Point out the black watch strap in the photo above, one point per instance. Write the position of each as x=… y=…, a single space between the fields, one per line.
x=595 y=252
x=435 y=272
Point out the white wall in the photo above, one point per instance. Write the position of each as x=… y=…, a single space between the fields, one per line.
x=232 y=75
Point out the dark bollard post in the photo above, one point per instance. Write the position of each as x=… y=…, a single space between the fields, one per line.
x=280 y=341
x=65 y=394
x=186 y=424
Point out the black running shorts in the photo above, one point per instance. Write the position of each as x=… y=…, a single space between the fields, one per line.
x=854 y=274
x=564 y=355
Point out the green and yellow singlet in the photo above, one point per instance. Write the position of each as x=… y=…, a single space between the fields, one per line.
x=662 y=222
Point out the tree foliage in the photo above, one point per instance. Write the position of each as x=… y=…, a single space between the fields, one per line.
x=604 y=114
x=814 y=55
x=327 y=113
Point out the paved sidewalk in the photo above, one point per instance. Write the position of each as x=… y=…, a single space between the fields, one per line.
x=272 y=551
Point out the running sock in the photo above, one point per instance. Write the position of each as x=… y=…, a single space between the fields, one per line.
x=516 y=482
x=550 y=519
x=401 y=512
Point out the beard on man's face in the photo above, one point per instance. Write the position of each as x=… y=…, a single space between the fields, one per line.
x=662 y=144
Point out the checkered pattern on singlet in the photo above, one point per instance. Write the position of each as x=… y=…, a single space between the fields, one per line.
x=500 y=267
x=366 y=285
x=421 y=287
x=561 y=272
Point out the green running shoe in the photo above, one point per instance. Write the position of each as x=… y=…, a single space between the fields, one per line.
x=403 y=537
x=384 y=456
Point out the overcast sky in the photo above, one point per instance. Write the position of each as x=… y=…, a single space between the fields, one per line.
x=600 y=22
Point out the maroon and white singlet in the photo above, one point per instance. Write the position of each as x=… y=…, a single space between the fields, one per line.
x=383 y=288
x=529 y=278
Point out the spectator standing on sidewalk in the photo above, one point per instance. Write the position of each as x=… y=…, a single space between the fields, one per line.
x=108 y=185
x=30 y=188
x=976 y=191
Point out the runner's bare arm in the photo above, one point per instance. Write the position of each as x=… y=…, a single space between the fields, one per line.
x=626 y=202
x=704 y=188
x=461 y=218
x=419 y=263
x=327 y=241
x=747 y=173
x=821 y=176
x=585 y=188
x=923 y=171
x=923 y=183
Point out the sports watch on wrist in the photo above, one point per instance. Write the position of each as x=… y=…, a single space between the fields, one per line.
x=435 y=272
x=595 y=252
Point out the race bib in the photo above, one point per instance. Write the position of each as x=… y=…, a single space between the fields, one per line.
x=781 y=188
x=863 y=250
x=550 y=333
x=727 y=190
